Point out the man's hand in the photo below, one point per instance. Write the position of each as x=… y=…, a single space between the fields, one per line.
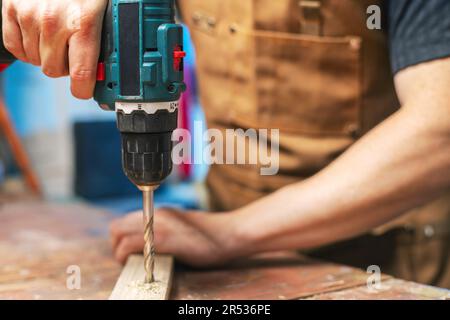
x=62 y=36
x=194 y=238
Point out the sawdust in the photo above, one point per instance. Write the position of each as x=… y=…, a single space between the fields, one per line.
x=153 y=288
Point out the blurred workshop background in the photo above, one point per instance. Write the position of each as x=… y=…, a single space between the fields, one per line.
x=74 y=146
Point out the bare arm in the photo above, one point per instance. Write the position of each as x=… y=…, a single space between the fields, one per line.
x=402 y=163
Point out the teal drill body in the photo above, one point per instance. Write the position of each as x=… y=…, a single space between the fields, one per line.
x=141 y=53
x=140 y=76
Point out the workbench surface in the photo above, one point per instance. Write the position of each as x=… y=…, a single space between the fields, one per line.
x=41 y=245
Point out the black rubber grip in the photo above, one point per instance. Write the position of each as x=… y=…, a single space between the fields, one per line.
x=147 y=145
x=147 y=158
x=129 y=48
x=141 y=122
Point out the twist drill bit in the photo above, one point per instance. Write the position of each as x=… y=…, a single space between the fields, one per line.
x=149 y=250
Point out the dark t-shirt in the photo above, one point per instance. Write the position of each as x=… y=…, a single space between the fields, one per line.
x=419 y=31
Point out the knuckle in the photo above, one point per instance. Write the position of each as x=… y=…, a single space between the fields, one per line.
x=127 y=244
x=26 y=17
x=88 y=22
x=81 y=74
x=49 y=22
x=113 y=228
x=86 y=27
x=9 y=10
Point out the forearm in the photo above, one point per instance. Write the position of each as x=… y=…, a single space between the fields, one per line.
x=371 y=183
x=399 y=165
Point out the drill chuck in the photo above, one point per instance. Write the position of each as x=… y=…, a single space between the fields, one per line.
x=146 y=158
x=147 y=145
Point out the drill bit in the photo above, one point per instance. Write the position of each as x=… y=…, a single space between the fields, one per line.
x=149 y=250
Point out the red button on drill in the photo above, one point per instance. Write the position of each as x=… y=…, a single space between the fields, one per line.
x=178 y=56
x=101 y=73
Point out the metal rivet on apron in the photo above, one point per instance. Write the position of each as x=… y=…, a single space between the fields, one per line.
x=429 y=231
x=211 y=22
x=355 y=43
x=196 y=18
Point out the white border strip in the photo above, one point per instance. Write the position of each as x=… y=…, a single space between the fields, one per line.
x=149 y=108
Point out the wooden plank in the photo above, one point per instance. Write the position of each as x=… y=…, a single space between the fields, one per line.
x=40 y=241
x=393 y=289
x=131 y=286
x=279 y=276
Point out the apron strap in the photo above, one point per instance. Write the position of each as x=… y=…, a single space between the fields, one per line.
x=310 y=17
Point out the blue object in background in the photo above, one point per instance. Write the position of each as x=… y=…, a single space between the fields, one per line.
x=29 y=98
x=36 y=102
x=98 y=168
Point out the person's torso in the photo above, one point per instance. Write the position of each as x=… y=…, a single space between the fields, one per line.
x=309 y=68
x=313 y=70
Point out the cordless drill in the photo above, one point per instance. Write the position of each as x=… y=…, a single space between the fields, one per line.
x=140 y=76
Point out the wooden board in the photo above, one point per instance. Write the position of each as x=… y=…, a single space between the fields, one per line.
x=275 y=276
x=392 y=289
x=40 y=243
x=131 y=286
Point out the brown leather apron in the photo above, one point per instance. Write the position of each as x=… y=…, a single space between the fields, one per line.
x=315 y=71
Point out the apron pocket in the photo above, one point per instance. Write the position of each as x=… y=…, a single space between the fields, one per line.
x=308 y=84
